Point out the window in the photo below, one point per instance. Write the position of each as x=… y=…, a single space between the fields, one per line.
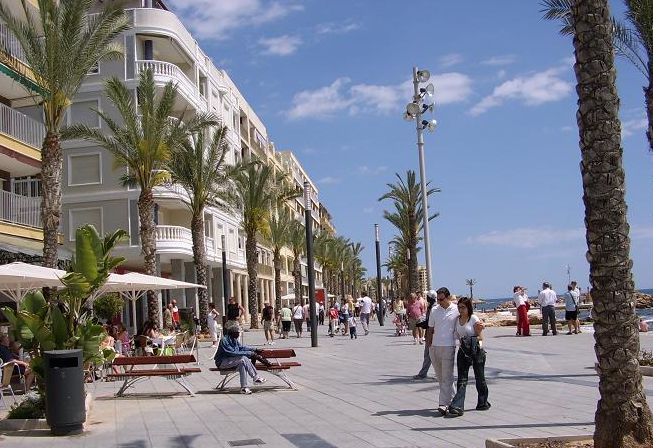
x=81 y=113
x=85 y=169
x=81 y=216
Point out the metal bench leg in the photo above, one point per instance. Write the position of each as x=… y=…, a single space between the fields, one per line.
x=281 y=374
x=183 y=383
x=228 y=377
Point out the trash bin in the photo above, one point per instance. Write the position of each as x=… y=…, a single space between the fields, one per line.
x=65 y=409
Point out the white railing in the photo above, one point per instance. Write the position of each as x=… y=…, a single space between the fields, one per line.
x=174 y=233
x=210 y=245
x=160 y=68
x=21 y=127
x=20 y=209
x=10 y=44
x=26 y=187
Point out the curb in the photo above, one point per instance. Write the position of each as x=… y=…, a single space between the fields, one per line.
x=508 y=443
x=23 y=424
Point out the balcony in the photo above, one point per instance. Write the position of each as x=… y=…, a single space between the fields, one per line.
x=167 y=71
x=22 y=210
x=10 y=44
x=171 y=191
x=21 y=127
x=264 y=269
x=174 y=239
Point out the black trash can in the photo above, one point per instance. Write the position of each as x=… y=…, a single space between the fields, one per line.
x=65 y=409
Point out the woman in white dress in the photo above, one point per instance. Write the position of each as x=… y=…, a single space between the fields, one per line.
x=212 y=323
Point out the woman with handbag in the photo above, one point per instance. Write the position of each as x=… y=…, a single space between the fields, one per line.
x=469 y=330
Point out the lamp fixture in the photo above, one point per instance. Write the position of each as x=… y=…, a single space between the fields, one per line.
x=429 y=125
x=408 y=117
x=428 y=90
x=428 y=107
x=412 y=109
x=423 y=75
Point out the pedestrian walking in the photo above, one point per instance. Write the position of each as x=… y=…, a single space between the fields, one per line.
x=266 y=318
x=442 y=346
x=286 y=320
x=212 y=323
x=344 y=317
x=320 y=317
x=365 y=311
x=469 y=332
x=572 y=299
x=353 y=321
x=426 y=362
x=520 y=299
x=334 y=326
x=298 y=318
x=547 y=299
x=416 y=312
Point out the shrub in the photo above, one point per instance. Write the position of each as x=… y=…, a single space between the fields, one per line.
x=108 y=306
x=646 y=358
x=31 y=407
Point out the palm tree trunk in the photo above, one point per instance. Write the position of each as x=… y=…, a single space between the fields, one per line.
x=297 y=272
x=648 y=95
x=51 y=172
x=148 y=247
x=277 y=281
x=623 y=418
x=199 y=258
x=252 y=286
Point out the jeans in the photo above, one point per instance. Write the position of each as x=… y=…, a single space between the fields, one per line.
x=549 y=316
x=245 y=367
x=442 y=358
x=426 y=363
x=365 y=320
x=464 y=362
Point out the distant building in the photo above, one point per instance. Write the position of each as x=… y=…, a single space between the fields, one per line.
x=422 y=278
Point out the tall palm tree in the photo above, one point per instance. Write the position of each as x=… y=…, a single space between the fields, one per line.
x=61 y=44
x=258 y=191
x=322 y=249
x=623 y=417
x=471 y=282
x=199 y=166
x=406 y=196
x=278 y=236
x=632 y=40
x=356 y=251
x=142 y=145
x=297 y=243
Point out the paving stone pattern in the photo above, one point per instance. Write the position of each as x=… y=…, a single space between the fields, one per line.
x=354 y=393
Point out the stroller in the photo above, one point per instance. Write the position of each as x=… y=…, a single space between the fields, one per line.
x=400 y=325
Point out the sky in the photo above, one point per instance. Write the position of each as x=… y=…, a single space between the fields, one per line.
x=331 y=80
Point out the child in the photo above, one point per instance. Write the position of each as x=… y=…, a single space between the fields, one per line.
x=333 y=321
x=353 y=320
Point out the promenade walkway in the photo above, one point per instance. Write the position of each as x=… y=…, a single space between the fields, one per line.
x=357 y=394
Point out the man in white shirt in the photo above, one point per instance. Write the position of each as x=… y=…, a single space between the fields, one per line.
x=442 y=345
x=547 y=299
x=366 y=309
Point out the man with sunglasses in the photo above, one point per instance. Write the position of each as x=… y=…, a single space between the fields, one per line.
x=442 y=345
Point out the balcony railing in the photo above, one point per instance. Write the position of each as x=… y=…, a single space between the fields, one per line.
x=19 y=209
x=9 y=44
x=174 y=234
x=264 y=269
x=173 y=72
x=21 y=127
x=26 y=187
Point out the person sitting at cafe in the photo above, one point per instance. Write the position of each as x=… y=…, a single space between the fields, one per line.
x=6 y=355
x=231 y=354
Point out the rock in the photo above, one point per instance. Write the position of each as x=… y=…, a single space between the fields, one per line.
x=643 y=300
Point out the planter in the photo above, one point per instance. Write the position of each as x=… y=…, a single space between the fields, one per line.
x=23 y=424
x=513 y=443
x=646 y=370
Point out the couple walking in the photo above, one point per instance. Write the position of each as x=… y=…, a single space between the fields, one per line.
x=447 y=322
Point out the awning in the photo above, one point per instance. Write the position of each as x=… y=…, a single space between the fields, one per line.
x=17 y=279
x=24 y=80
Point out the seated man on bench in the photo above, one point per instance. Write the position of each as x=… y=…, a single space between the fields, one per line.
x=231 y=354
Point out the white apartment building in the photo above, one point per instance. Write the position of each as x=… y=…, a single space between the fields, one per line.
x=93 y=193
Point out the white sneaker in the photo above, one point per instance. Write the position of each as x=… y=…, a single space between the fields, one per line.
x=414 y=341
x=259 y=380
x=271 y=342
x=245 y=391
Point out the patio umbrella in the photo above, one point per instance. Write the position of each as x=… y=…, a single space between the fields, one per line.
x=17 y=279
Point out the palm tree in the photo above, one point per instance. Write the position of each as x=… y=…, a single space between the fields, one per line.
x=623 y=417
x=258 y=191
x=356 y=251
x=407 y=217
x=199 y=166
x=61 y=45
x=633 y=40
x=297 y=243
x=471 y=282
x=142 y=145
x=278 y=235
x=322 y=248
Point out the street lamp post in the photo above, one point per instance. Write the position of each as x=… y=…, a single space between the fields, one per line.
x=310 y=263
x=342 y=280
x=378 y=274
x=225 y=281
x=414 y=111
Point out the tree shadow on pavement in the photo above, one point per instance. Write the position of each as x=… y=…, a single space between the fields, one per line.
x=407 y=413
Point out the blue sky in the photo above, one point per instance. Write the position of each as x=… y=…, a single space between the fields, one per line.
x=330 y=79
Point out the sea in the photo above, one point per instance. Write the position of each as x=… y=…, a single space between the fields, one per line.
x=646 y=313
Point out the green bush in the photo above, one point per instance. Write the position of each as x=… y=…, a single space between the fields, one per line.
x=106 y=307
x=646 y=358
x=31 y=407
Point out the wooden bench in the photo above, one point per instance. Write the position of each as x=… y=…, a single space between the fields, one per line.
x=277 y=368
x=170 y=370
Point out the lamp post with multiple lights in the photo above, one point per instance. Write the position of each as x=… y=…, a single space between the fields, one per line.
x=414 y=110
x=310 y=265
x=379 y=292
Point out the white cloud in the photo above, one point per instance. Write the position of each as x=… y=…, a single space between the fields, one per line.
x=372 y=171
x=216 y=19
x=528 y=238
x=280 y=46
x=568 y=128
x=532 y=90
x=342 y=96
x=499 y=60
x=336 y=28
x=329 y=180
x=641 y=233
x=630 y=127
x=449 y=60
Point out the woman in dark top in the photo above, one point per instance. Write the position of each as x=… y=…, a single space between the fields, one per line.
x=234 y=310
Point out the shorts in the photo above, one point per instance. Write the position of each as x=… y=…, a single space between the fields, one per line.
x=285 y=325
x=571 y=315
x=298 y=325
x=412 y=323
x=267 y=325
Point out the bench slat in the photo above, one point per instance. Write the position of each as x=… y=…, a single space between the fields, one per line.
x=155 y=372
x=280 y=366
x=147 y=360
x=278 y=353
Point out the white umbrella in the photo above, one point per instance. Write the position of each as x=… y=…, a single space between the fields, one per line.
x=17 y=279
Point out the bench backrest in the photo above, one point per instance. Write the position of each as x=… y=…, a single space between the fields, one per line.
x=278 y=353
x=139 y=360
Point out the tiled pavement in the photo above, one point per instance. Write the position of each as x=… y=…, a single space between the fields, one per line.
x=355 y=394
